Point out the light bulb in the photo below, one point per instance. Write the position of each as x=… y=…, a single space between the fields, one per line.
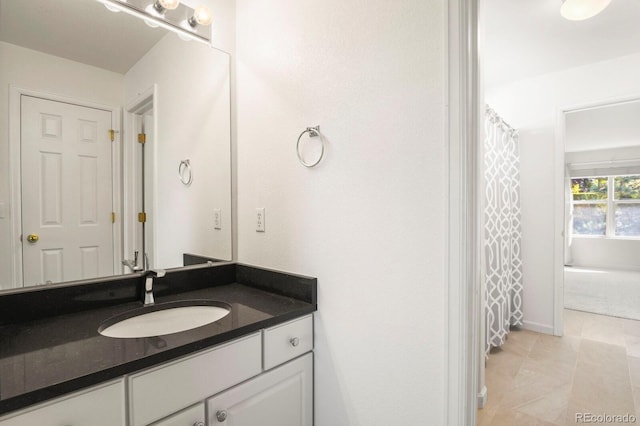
x=168 y=4
x=202 y=15
x=578 y=10
x=161 y=6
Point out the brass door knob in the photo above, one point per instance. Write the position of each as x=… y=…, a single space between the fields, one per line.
x=33 y=238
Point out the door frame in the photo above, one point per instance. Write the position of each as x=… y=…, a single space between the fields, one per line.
x=560 y=200
x=15 y=94
x=463 y=109
x=465 y=369
x=130 y=165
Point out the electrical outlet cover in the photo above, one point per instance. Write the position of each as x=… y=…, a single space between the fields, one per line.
x=217 y=219
x=260 y=226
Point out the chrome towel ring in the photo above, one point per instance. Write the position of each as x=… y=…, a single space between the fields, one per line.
x=313 y=132
x=184 y=172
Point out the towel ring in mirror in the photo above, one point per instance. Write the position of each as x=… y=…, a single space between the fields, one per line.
x=184 y=172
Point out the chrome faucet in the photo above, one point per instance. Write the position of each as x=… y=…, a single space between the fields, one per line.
x=133 y=264
x=148 y=284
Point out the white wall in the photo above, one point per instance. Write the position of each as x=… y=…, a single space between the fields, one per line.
x=536 y=183
x=368 y=221
x=37 y=71
x=604 y=127
x=193 y=123
x=534 y=103
x=533 y=106
x=606 y=253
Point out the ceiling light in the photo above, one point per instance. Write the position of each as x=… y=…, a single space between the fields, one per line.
x=176 y=21
x=578 y=10
x=202 y=15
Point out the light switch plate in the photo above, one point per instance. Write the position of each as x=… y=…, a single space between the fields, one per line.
x=217 y=219
x=260 y=219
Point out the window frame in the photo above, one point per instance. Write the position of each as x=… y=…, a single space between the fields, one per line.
x=611 y=203
x=614 y=204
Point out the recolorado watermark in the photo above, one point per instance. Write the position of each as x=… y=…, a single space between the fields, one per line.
x=605 y=418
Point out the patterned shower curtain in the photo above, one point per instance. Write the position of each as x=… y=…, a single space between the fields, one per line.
x=502 y=258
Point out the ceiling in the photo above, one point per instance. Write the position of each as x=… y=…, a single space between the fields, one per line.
x=80 y=30
x=526 y=38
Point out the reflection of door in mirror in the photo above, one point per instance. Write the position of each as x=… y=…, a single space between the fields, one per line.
x=78 y=52
x=191 y=119
x=67 y=191
x=139 y=172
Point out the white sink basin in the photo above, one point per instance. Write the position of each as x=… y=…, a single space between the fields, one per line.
x=166 y=318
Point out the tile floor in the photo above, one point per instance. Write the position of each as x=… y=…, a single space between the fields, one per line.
x=537 y=379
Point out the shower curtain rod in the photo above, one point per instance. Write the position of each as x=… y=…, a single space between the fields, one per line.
x=496 y=118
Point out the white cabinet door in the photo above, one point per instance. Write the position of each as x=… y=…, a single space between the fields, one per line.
x=99 y=406
x=280 y=397
x=193 y=416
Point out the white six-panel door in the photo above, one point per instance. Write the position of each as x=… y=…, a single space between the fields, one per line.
x=66 y=191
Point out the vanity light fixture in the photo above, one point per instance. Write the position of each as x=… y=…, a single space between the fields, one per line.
x=579 y=10
x=168 y=14
x=110 y=7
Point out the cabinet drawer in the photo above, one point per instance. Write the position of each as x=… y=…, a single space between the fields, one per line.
x=193 y=416
x=163 y=390
x=99 y=406
x=287 y=341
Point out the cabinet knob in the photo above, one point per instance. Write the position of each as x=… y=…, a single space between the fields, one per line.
x=221 y=415
x=198 y=424
x=294 y=341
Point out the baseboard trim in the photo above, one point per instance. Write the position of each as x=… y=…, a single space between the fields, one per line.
x=482 y=397
x=537 y=327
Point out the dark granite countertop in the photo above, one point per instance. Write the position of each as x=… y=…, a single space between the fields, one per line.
x=49 y=340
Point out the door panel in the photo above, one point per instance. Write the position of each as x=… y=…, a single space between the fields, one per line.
x=51 y=188
x=67 y=193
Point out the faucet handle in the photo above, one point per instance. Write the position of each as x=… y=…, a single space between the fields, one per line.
x=157 y=272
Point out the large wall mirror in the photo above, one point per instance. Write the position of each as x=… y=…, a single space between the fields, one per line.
x=73 y=203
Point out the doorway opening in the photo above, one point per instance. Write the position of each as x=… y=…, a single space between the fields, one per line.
x=139 y=158
x=529 y=78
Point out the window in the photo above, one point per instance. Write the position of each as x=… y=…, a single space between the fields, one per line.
x=606 y=206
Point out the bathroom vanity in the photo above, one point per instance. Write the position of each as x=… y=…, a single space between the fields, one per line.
x=254 y=366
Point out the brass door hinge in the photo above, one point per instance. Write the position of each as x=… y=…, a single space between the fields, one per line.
x=142 y=217
x=142 y=138
x=113 y=217
x=112 y=134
